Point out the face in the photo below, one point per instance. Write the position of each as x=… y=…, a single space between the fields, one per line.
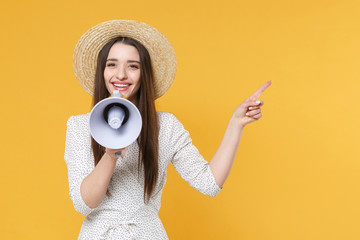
x=122 y=70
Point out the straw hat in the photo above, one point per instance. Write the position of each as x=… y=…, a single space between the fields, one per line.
x=162 y=54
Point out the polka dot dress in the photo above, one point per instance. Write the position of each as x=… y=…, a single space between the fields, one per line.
x=124 y=215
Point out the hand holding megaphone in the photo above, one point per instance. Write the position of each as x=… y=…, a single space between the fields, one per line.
x=115 y=153
x=115 y=122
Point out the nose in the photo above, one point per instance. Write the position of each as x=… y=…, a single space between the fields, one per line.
x=121 y=73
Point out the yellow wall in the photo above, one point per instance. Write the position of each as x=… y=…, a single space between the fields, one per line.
x=296 y=175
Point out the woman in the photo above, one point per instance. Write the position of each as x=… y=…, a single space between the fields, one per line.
x=120 y=194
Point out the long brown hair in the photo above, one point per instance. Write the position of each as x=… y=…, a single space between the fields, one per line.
x=144 y=99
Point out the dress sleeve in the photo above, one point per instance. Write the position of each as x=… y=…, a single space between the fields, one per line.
x=189 y=163
x=79 y=162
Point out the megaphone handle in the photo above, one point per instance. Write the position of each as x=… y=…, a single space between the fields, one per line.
x=118 y=154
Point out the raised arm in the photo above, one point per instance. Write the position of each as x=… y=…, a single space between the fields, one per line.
x=247 y=112
x=87 y=184
x=93 y=188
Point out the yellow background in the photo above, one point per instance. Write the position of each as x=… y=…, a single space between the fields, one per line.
x=296 y=174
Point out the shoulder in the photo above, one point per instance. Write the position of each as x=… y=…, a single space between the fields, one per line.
x=78 y=119
x=78 y=123
x=166 y=118
x=169 y=124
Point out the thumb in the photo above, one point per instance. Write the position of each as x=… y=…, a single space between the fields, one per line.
x=254 y=103
x=247 y=120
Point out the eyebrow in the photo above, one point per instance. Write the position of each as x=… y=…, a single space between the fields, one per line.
x=115 y=60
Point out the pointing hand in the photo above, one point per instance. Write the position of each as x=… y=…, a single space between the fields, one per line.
x=250 y=110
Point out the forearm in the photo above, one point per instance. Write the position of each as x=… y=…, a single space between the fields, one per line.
x=223 y=159
x=94 y=186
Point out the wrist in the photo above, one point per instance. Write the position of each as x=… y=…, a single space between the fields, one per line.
x=236 y=123
x=110 y=155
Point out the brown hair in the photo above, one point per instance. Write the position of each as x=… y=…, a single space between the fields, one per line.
x=144 y=99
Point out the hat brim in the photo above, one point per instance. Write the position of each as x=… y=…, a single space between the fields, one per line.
x=162 y=54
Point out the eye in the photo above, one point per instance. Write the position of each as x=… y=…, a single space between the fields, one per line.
x=133 y=66
x=110 y=65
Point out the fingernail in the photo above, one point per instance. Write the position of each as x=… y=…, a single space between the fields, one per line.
x=258 y=102
x=247 y=114
x=250 y=108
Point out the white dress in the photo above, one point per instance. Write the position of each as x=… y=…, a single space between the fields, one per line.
x=124 y=215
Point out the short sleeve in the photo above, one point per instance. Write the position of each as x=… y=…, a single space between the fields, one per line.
x=188 y=162
x=79 y=161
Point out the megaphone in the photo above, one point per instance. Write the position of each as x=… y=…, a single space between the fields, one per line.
x=115 y=122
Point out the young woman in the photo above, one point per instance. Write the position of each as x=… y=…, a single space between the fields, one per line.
x=120 y=194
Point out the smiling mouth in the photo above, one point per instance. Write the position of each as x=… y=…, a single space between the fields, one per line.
x=121 y=85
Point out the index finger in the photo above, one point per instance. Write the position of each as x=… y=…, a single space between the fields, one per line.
x=257 y=94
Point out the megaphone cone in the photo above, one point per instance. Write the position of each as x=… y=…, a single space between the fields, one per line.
x=115 y=122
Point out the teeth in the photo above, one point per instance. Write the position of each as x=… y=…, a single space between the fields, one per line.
x=121 y=85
